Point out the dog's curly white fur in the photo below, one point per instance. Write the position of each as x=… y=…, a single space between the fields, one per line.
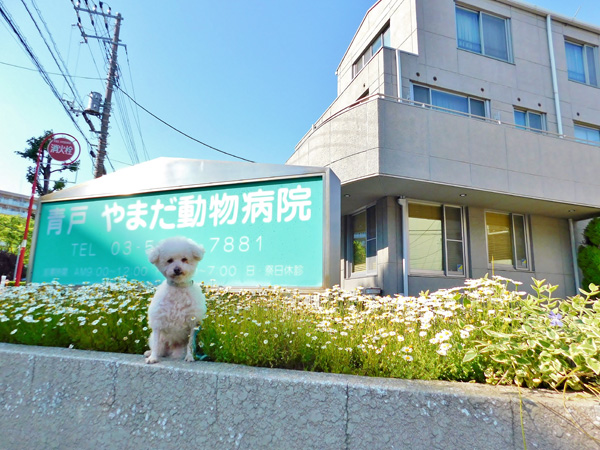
x=178 y=305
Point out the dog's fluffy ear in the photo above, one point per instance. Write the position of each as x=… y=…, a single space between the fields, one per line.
x=197 y=251
x=153 y=254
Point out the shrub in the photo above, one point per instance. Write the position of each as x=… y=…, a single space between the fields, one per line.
x=588 y=257
x=8 y=262
x=592 y=232
x=108 y=316
x=485 y=331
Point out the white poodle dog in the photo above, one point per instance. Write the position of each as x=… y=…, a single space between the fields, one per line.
x=178 y=306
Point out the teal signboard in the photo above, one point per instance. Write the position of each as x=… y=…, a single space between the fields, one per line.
x=255 y=234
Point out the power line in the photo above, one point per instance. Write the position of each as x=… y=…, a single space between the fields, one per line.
x=181 y=132
x=15 y=29
x=49 y=73
x=63 y=70
x=135 y=111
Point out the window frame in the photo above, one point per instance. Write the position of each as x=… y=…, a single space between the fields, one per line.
x=350 y=273
x=586 y=66
x=513 y=243
x=368 y=53
x=507 y=33
x=463 y=230
x=451 y=111
x=587 y=127
x=527 y=125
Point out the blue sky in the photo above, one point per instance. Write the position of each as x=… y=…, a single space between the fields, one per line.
x=246 y=77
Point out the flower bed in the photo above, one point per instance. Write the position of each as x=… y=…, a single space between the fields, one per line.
x=485 y=331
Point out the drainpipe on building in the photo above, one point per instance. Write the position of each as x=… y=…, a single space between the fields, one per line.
x=554 y=78
x=574 y=256
x=404 y=211
x=399 y=74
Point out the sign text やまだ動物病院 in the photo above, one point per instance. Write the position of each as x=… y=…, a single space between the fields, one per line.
x=255 y=234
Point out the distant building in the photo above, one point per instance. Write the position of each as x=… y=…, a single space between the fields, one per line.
x=14 y=204
x=465 y=135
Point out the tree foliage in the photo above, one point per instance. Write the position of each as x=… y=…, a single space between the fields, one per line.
x=47 y=166
x=12 y=229
x=8 y=262
x=588 y=257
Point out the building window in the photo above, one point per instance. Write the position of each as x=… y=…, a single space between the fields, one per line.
x=529 y=120
x=587 y=135
x=483 y=33
x=436 y=239
x=449 y=102
x=382 y=40
x=582 y=63
x=507 y=240
x=364 y=242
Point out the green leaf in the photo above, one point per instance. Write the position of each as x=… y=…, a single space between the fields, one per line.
x=522 y=360
x=545 y=344
x=593 y=364
x=574 y=350
x=502 y=359
x=497 y=334
x=589 y=347
x=470 y=355
x=552 y=334
x=580 y=360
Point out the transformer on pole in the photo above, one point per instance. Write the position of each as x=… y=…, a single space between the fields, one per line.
x=95 y=98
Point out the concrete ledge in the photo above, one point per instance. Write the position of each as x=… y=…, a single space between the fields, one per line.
x=60 y=398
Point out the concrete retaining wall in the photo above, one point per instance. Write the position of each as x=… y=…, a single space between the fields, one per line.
x=69 y=399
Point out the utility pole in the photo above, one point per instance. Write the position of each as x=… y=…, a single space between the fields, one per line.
x=99 y=169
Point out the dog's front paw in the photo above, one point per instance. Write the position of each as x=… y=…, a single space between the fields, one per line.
x=151 y=360
x=189 y=358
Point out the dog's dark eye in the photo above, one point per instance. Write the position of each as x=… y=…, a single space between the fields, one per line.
x=184 y=260
x=170 y=260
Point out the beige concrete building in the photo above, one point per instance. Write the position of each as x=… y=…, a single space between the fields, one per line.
x=466 y=138
x=14 y=204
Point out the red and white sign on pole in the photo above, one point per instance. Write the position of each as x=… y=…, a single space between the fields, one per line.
x=63 y=149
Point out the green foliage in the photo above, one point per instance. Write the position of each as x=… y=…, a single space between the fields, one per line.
x=46 y=167
x=341 y=332
x=592 y=232
x=485 y=331
x=544 y=342
x=12 y=229
x=8 y=262
x=359 y=253
x=108 y=316
x=588 y=259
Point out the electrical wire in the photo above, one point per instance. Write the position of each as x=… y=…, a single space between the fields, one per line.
x=181 y=132
x=84 y=35
x=21 y=38
x=49 y=73
x=64 y=70
x=134 y=110
x=122 y=118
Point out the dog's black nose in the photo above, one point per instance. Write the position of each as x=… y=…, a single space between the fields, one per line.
x=177 y=270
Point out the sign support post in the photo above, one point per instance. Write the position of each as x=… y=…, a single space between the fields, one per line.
x=67 y=148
